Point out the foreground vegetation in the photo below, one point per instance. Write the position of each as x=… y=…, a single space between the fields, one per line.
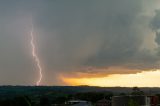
x=47 y=96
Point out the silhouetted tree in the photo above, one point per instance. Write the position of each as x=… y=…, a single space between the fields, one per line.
x=132 y=103
x=44 y=101
x=137 y=91
x=22 y=101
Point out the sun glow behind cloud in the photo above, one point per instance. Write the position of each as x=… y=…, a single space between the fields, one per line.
x=143 y=79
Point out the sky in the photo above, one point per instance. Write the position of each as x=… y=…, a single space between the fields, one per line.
x=81 y=42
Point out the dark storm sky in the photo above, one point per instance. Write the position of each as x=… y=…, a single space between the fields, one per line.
x=77 y=36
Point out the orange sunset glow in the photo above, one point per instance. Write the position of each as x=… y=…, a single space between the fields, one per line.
x=84 y=42
x=143 y=79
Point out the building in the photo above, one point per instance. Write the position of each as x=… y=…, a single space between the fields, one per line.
x=78 y=103
x=154 y=100
x=131 y=101
x=103 y=102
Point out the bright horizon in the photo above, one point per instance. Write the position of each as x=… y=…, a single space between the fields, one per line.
x=142 y=79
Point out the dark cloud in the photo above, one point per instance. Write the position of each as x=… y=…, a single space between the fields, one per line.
x=156 y=21
x=155 y=25
x=73 y=35
x=94 y=34
x=157 y=38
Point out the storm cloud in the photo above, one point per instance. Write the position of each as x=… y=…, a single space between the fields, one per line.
x=77 y=36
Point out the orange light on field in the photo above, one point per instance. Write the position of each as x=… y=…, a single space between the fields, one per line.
x=143 y=79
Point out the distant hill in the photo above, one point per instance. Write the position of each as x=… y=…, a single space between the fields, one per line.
x=11 y=91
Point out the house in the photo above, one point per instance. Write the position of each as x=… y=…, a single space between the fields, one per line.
x=135 y=100
x=103 y=102
x=78 y=103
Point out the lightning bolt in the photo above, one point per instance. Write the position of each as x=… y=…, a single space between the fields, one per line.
x=35 y=57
